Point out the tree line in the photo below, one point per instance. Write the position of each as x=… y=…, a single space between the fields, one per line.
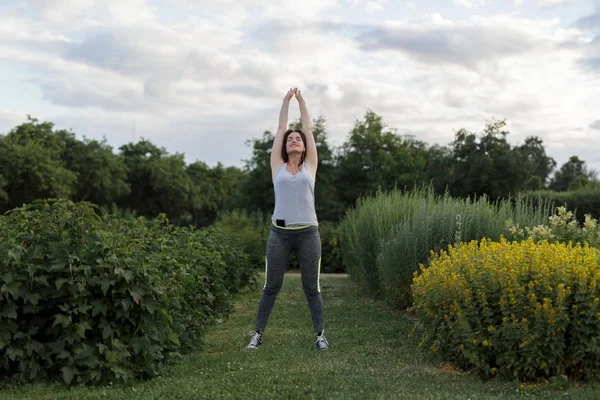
x=38 y=161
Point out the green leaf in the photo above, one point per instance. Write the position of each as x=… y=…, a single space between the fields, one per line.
x=68 y=374
x=95 y=375
x=173 y=338
x=14 y=255
x=10 y=311
x=84 y=308
x=43 y=279
x=99 y=307
x=33 y=347
x=105 y=283
x=107 y=331
x=13 y=353
x=33 y=298
x=59 y=282
x=62 y=319
x=82 y=327
x=12 y=288
x=126 y=303
x=137 y=294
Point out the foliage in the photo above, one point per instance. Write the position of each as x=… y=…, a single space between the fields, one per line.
x=387 y=236
x=250 y=232
x=247 y=231
x=572 y=175
x=159 y=183
x=32 y=165
x=374 y=157
x=331 y=249
x=514 y=310
x=581 y=201
x=90 y=300
x=486 y=165
x=561 y=228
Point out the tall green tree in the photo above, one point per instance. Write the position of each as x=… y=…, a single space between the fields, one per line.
x=575 y=172
x=536 y=162
x=159 y=182
x=486 y=164
x=213 y=190
x=101 y=174
x=439 y=169
x=31 y=162
x=376 y=157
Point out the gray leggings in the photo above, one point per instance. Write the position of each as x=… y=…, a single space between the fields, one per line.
x=306 y=242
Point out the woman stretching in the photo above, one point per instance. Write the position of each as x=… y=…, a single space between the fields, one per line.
x=294 y=221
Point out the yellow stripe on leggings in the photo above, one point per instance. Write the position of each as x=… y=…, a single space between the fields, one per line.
x=319 y=277
x=266 y=264
x=290 y=227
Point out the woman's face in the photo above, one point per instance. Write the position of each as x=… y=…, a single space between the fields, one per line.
x=294 y=143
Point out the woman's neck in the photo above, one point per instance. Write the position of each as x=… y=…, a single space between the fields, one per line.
x=295 y=161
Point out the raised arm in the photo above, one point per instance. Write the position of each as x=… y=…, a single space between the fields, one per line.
x=276 y=159
x=312 y=159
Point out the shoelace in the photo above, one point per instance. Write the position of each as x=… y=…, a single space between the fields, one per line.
x=255 y=337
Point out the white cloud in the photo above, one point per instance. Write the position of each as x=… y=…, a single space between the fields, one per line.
x=216 y=73
x=550 y=3
x=373 y=6
x=471 y=3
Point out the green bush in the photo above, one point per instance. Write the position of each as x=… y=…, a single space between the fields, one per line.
x=561 y=228
x=250 y=232
x=514 y=310
x=91 y=300
x=331 y=252
x=247 y=231
x=582 y=201
x=387 y=236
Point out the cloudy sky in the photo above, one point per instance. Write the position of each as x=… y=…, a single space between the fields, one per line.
x=203 y=77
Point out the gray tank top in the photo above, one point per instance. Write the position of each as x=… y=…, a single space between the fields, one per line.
x=294 y=197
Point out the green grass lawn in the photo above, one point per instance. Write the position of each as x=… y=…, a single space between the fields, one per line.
x=371 y=356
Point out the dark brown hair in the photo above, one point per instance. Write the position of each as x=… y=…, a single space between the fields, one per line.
x=284 y=153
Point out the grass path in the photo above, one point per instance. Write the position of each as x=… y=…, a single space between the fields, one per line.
x=370 y=357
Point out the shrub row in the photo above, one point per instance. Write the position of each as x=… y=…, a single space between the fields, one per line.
x=514 y=309
x=582 y=201
x=91 y=300
x=250 y=231
x=387 y=236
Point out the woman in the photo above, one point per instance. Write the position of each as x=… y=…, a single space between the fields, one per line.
x=294 y=221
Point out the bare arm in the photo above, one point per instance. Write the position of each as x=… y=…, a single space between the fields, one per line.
x=312 y=159
x=276 y=159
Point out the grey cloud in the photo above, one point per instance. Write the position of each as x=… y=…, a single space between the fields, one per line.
x=595 y=124
x=105 y=50
x=590 y=22
x=464 y=45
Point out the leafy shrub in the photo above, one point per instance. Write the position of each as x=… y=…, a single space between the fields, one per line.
x=250 y=232
x=515 y=310
x=331 y=252
x=582 y=201
x=387 y=236
x=91 y=300
x=561 y=227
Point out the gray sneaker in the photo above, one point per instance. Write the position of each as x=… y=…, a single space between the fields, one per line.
x=255 y=341
x=322 y=343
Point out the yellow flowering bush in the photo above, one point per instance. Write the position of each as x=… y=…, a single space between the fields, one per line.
x=521 y=310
